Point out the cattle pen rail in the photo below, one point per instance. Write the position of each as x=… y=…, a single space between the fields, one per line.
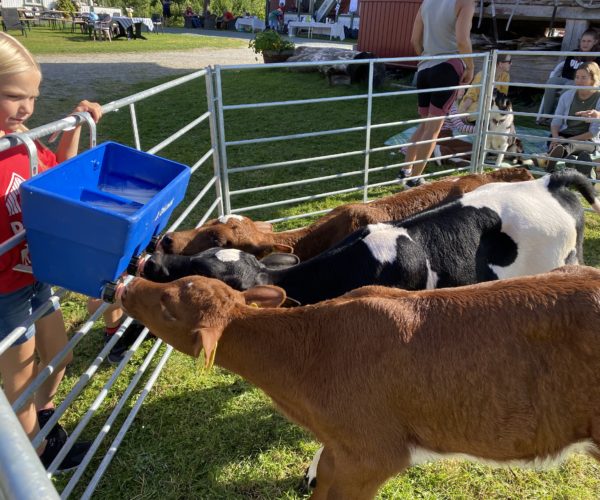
x=24 y=477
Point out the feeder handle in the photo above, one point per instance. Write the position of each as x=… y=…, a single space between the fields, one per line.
x=31 y=149
x=84 y=115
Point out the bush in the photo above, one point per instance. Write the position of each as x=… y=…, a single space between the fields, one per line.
x=269 y=40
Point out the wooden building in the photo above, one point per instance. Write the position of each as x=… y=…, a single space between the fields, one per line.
x=386 y=27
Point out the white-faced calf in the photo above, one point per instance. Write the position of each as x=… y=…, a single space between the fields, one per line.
x=503 y=372
x=500 y=230
x=258 y=238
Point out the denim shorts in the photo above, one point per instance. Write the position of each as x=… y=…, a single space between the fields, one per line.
x=16 y=307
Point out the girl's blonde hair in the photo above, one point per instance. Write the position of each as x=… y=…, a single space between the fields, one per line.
x=14 y=57
x=593 y=70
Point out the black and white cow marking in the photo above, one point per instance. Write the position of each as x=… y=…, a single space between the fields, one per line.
x=497 y=231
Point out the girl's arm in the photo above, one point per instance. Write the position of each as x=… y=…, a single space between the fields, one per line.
x=471 y=95
x=69 y=142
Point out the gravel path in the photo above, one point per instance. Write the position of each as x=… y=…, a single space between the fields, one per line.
x=68 y=79
x=77 y=77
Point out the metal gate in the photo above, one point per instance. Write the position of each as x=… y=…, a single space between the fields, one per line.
x=230 y=183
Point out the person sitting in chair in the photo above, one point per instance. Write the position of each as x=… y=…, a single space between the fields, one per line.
x=224 y=19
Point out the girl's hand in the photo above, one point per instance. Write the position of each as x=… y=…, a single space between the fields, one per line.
x=93 y=108
x=589 y=113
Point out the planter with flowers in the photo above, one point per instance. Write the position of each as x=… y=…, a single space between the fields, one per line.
x=272 y=46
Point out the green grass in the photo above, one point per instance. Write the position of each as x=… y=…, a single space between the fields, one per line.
x=43 y=40
x=213 y=435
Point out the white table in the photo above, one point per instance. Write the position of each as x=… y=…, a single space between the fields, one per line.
x=332 y=29
x=127 y=22
x=253 y=22
x=346 y=19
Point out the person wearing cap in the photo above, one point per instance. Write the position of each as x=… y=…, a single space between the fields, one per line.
x=470 y=101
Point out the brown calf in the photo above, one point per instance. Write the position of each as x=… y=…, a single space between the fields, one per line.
x=505 y=372
x=258 y=238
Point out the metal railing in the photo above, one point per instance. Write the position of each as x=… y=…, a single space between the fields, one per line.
x=485 y=151
x=25 y=477
x=217 y=115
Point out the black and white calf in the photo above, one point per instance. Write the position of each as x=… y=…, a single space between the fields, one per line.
x=497 y=231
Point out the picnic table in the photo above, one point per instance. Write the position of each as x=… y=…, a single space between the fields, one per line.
x=253 y=23
x=131 y=27
x=55 y=18
x=331 y=29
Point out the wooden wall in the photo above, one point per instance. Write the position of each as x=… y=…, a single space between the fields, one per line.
x=386 y=26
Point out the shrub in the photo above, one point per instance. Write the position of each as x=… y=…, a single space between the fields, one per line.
x=270 y=40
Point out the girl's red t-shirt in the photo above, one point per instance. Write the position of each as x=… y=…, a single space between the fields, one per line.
x=14 y=169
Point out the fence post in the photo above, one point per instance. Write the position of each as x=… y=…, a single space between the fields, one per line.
x=221 y=141
x=211 y=98
x=368 y=133
x=22 y=476
x=485 y=102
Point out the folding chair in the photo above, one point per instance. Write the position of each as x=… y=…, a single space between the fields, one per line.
x=11 y=21
x=78 y=22
x=103 y=28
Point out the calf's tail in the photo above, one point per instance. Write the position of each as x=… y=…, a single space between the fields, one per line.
x=570 y=178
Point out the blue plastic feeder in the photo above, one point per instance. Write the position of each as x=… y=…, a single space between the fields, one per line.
x=87 y=217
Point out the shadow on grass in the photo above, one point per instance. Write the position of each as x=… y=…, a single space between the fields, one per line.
x=210 y=436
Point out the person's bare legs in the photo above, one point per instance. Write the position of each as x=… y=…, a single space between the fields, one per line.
x=51 y=337
x=419 y=154
x=112 y=315
x=18 y=369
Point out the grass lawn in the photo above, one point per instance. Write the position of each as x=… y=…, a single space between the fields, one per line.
x=43 y=40
x=213 y=435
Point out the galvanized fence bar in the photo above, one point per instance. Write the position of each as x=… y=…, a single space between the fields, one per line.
x=6 y=142
x=483 y=150
x=220 y=182
x=83 y=421
x=136 y=132
x=212 y=102
x=35 y=315
x=482 y=118
x=220 y=119
x=368 y=134
x=367 y=128
x=49 y=369
x=22 y=476
x=125 y=427
x=110 y=420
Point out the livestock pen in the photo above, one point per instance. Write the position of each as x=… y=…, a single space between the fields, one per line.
x=242 y=169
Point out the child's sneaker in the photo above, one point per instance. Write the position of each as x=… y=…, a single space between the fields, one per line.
x=411 y=183
x=71 y=460
x=403 y=174
x=116 y=354
x=57 y=432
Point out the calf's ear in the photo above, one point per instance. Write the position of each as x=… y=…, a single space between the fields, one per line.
x=265 y=296
x=278 y=260
x=189 y=343
x=280 y=247
x=263 y=226
x=207 y=338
